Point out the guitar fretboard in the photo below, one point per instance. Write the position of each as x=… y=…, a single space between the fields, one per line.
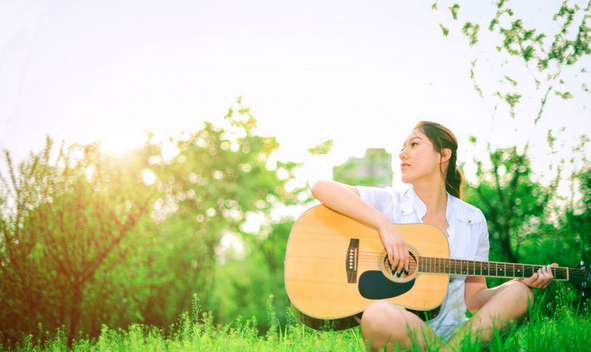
x=487 y=269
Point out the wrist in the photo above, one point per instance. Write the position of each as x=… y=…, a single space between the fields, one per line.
x=383 y=223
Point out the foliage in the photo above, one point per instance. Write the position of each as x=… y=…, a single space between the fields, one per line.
x=131 y=240
x=72 y=219
x=322 y=148
x=512 y=203
x=568 y=241
x=564 y=331
x=244 y=285
x=218 y=179
x=374 y=169
x=548 y=53
x=525 y=225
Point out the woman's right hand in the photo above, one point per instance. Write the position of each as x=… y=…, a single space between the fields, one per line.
x=346 y=200
x=396 y=248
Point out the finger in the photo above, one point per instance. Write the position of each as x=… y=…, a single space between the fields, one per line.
x=530 y=281
x=543 y=276
x=392 y=256
x=545 y=272
x=407 y=262
x=401 y=260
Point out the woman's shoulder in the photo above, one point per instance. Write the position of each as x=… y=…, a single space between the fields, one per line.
x=384 y=198
x=386 y=192
x=466 y=211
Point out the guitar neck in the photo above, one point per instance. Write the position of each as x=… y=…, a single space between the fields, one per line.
x=486 y=269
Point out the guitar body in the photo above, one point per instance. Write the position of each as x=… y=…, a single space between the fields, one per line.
x=335 y=267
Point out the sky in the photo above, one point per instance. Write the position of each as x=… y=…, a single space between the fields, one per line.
x=362 y=73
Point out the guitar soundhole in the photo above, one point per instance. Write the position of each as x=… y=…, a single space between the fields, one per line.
x=403 y=276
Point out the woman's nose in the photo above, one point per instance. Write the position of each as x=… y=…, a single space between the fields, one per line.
x=402 y=155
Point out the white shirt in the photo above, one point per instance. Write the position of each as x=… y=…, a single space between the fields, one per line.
x=468 y=239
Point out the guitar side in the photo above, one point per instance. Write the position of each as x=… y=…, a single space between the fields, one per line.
x=320 y=284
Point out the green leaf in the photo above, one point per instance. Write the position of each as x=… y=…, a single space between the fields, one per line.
x=512 y=81
x=566 y=95
x=454 y=11
x=322 y=148
x=471 y=31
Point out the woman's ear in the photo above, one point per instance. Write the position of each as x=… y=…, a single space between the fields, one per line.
x=445 y=154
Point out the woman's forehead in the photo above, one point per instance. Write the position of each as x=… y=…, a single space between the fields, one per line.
x=416 y=134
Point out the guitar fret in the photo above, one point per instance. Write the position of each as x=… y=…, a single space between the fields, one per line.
x=449 y=266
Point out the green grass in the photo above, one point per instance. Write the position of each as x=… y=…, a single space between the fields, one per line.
x=566 y=330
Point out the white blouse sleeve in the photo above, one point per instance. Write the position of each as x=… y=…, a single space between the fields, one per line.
x=380 y=198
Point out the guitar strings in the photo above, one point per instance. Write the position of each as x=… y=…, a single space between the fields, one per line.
x=459 y=266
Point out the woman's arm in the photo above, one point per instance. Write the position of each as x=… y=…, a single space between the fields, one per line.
x=345 y=199
x=476 y=293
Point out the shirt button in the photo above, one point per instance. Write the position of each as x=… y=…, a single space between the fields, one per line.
x=469 y=221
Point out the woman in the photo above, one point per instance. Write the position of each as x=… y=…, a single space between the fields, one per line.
x=428 y=164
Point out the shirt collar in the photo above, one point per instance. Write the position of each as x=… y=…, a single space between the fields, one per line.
x=416 y=204
x=454 y=208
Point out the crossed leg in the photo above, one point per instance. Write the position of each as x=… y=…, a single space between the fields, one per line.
x=505 y=304
x=390 y=325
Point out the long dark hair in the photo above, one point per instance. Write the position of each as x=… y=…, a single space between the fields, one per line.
x=443 y=138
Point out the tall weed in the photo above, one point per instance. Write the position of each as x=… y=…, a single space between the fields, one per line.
x=555 y=326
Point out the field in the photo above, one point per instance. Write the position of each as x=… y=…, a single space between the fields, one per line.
x=565 y=329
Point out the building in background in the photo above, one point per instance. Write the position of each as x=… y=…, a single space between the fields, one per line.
x=374 y=169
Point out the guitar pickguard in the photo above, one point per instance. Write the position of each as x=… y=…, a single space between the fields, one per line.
x=374 y=285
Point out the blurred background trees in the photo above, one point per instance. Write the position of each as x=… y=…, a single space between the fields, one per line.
x=90 y=239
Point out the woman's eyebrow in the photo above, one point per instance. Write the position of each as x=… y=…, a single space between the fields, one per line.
x=411 y=139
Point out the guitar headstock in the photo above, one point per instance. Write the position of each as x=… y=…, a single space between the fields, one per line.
x=580 y=276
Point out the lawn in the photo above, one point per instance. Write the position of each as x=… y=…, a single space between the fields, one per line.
x=567 y=328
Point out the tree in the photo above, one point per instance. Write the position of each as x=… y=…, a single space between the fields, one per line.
x=549 y=47
x=68 y=222
x=220 y=178
x=132 y=239
x=512 y=203
x=374 y=169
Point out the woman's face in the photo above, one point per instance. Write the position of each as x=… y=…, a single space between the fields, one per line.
x=419 y=159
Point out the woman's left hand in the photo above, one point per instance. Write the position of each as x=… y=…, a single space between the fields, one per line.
x=540 y=279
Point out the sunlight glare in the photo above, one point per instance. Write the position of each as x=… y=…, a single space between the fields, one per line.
x=122 y=140
x=148 y=176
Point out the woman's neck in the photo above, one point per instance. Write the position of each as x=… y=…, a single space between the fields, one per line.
x=434 y=195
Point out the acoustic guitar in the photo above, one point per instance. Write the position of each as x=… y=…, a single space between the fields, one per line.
x=335 y=267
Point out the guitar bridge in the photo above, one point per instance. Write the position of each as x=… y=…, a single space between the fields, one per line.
x=351 y=260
